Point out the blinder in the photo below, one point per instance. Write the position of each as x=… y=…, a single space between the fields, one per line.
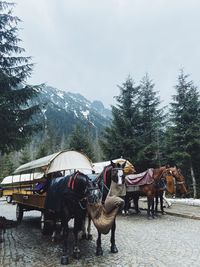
x=93 y=193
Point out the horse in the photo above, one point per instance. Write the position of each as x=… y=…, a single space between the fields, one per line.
x=147 y=184
x=67 y=197
x=174 y=180
x=111 y=181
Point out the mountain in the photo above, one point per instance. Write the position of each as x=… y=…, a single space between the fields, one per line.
x=63 y=110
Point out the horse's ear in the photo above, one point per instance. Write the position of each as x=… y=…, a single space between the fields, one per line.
x=112 y=164
x=123 y=165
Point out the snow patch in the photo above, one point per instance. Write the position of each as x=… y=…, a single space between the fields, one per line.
x=187 y=201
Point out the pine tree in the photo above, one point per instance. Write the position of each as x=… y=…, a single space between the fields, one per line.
x=150 y=126
x=79 y=140
x=25 y=157
x=121 y=139
x=6 y=166
x=16 y=114
x=184 y=148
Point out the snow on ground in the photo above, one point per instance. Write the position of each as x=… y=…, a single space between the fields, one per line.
x=187 y=201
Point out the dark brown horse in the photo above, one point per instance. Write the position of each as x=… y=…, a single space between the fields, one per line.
x=67 y=198
x=146 y=184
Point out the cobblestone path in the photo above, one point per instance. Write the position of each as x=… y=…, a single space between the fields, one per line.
x=165 y=241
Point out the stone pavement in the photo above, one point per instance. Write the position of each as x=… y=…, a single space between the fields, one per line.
x=168 y=241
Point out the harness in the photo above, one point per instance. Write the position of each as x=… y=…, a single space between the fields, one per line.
x=72 y=180
x=76 y=196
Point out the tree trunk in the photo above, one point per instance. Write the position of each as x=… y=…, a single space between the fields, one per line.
x=193 y=182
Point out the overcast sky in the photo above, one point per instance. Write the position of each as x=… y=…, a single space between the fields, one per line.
x=91 y=46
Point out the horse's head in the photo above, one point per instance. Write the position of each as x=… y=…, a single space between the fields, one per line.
x=180 y=180
x=84 y=187
x=164 y=179
x=117 y=172
x=169 y=180
x=93 y=192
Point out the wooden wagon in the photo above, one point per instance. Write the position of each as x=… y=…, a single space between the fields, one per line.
x=23 y=185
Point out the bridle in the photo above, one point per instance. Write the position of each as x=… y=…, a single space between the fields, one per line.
x=116 y=170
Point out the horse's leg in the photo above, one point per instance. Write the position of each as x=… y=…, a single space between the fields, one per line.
x=136 y=201
x=65 y=257
x=54 y=229
x=161 y=202
x=112 y=240
x=77 y=226
x=99 y=251
x=149 y=204
x=84 y=235
x=156 y=206
x=89 y=235
x=126 y=204
x=152 y=207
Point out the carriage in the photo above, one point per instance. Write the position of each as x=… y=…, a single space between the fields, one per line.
x=26 y=187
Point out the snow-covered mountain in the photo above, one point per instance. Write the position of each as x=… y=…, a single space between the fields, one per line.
x=63 y=110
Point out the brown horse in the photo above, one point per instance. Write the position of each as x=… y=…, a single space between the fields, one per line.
x=180 y=180
x=174 y=180
x=146 y=184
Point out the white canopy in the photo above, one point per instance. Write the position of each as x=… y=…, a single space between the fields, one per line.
x=99 y=166
x=21 y=178
x=60 y=161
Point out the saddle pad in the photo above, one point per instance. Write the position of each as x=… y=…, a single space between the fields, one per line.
x=140 y=179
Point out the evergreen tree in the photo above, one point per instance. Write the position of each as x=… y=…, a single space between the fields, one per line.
x=25 y=157
x=6 y=166
x=121 y=139
x=15 y=95
x=184 y=132
x=79 y=140
x=150 y=126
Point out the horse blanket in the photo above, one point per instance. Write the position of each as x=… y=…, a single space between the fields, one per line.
x=55 y=193
x=139 y=179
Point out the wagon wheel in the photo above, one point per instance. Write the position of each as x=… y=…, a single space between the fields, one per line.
x=45 y=224
x=19 y=213
x=9 y=199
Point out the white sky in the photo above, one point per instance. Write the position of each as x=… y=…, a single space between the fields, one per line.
x=91 y=46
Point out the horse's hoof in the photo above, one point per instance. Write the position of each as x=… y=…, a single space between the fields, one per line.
x=164 y=213
x=99 y=251
x=138 y=211
x=113 y=249
x=89 y=237
x=54 y=239
x=149 y=218
x=65 y=260
x=84 y=236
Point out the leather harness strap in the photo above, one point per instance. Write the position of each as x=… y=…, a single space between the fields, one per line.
x=72 y=180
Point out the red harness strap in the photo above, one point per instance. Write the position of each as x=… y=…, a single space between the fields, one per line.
x=72 y=180
x=105 y=172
